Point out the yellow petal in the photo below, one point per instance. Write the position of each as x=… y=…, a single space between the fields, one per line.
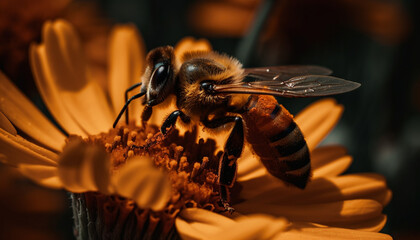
x=18 y=151
x=24 y=115
x=329 y=161
x=318 y=119
x=375 y=224
x=261 y=185
x=44 y=79
x=251 y=227
x=326 y=161
x=6 y=125
x=193 y=223
x=333 y=168
x=323 y=155
x=139 y=180
x=81 y=96
x=188 y=44
x=310 y=231
x=354 y=186
x=126 y=64
x=46 y=176
x=349 y=211
x=84 y=167
x=249 y=165
x=222 y=19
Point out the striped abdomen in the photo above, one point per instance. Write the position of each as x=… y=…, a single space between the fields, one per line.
x=277 y=140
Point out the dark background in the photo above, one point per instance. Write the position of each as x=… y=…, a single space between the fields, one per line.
x=375 y=43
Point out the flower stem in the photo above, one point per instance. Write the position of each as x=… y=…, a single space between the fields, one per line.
x=247 y=44
x=98 y=216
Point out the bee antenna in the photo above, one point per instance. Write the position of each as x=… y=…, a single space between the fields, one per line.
x=138 y=95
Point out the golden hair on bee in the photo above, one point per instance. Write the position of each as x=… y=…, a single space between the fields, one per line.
x=222 y=68
x=219 y=66
x=199 y=67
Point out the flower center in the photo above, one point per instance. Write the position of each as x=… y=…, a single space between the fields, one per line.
x=192 y=169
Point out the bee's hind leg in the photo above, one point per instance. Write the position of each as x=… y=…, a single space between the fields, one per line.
x=232 y=151
x=225 y=198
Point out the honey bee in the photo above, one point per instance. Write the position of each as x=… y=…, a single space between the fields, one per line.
x=215 y=90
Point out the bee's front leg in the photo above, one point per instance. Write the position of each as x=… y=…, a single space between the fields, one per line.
x=167 y=125
x=170 y=121
x=232 y=151
x=146 y=114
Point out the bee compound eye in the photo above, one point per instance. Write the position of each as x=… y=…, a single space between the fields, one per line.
x=160 y=75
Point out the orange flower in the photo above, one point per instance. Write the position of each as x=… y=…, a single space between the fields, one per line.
x=332 y=205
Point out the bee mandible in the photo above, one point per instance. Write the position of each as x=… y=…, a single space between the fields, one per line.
x=215 y=90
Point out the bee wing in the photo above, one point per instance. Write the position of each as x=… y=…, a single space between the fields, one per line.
x=282 y=73
x=300 y=86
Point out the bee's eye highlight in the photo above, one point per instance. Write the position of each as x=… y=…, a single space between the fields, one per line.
x=160 y=74
x=207 y=86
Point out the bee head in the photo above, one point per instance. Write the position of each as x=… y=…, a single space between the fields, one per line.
x=158 y=79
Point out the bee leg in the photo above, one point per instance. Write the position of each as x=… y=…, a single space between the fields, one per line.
x=126 y=98
x=171 y=120
x=167 y=125
x=146 y=114
x=232 y=151
x=225 y=198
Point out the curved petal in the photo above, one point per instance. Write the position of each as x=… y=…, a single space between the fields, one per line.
x=312 y=231
x=144 y=183
x=251 y=227
x=33 y=147
x=323 y=155
x=249 y=165
x=189 y=44
x=352 y=186
x=333 y=168
x=24 y=115
x=326 y=161
x=261 y=185
x=194 y=223
x=330 y=213
x=46 y=176
x=17 y=150
x=375 y=224
x=84 y=167
x=82 y=97
x=227 y=19
x=44 y=79
x=126 y=64
x=318 y=119
x=6 y=125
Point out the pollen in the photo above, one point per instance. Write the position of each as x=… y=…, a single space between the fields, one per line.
x=191 y=166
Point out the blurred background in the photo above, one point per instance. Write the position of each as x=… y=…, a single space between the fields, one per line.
x=373 y=42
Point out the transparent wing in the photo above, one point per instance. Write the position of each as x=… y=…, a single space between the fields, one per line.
x=282 y=73
x=300 y=86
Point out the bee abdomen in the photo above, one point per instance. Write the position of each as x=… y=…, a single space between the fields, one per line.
x=293 y=164
x=278 y=141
